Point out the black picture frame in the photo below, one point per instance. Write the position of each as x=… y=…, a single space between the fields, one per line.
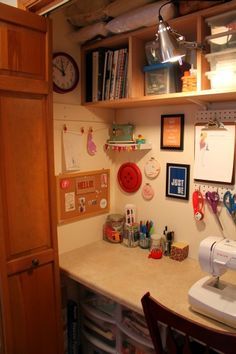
x=172 y=131
x=177 y=180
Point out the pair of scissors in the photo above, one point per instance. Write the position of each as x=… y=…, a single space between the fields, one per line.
x=229 y=200
x=213 y=199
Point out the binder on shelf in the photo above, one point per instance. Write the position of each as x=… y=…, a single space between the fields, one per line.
x=97 y=72
x=120 y=73
x=89 y=77
x=95 y=76
x=124 y=92
x=114 y=73
x=106 y=74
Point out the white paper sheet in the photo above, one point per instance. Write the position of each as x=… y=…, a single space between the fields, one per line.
x=72 y=144
x=214 y=154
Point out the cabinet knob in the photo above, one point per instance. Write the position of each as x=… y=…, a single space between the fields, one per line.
x=35 y=262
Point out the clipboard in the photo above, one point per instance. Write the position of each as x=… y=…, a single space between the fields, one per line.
x=214 y=152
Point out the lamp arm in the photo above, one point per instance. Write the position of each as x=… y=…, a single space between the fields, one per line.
x=178 y=36
x=191 y=45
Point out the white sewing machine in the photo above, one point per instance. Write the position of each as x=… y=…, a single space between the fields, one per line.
x=211 y=296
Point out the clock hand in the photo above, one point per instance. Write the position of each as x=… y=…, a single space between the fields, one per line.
x=66 y=66
x=58 y=68
x=62 y=67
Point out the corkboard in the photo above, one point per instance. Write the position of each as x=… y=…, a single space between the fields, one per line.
x=82 y=195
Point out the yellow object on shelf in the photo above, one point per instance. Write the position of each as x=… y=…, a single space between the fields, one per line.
x=189 y=82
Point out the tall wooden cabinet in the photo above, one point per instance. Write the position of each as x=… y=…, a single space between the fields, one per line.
x=29 y=269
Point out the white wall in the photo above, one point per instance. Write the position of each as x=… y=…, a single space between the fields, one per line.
x=67 y=110
x=177 y=214
x=62 y=42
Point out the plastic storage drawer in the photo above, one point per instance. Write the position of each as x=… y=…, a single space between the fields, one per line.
x=222 y=80
x=216 y=60
x=219 y=42
x=222 y=23
x=223 y=31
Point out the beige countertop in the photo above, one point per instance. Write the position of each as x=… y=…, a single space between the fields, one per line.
x=126 y=274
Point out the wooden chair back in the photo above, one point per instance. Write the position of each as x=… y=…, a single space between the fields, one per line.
x=182 y=335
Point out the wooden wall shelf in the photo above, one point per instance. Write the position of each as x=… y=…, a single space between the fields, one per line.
x=195 y=28
x=199 y=97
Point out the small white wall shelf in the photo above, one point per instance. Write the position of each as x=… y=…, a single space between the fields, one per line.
x=127 y=147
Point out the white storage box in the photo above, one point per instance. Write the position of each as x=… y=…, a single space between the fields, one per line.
x=224 y=78
x=227 y=57
x=220 y=42
x=223 y=31
x=222 y=23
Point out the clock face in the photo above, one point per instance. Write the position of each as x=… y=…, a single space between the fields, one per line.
x=65 y=73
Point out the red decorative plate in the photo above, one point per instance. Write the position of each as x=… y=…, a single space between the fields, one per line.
x=129 y=177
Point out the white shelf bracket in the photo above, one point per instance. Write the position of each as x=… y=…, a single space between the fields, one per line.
x=203 y=105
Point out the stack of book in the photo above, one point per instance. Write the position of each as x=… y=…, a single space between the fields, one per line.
x=106 y=74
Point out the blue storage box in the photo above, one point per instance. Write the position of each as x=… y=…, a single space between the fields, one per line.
x=159 y=79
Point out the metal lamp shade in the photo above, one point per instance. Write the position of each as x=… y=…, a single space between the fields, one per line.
x=169 y=49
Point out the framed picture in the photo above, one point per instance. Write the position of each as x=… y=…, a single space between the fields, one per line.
x=172 y=131
x=177 y=181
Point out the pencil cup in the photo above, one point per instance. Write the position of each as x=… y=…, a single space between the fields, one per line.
x=144 y=241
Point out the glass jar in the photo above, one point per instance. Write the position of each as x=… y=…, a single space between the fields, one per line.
x=144 y=241
x=155 y=242
x=155 y=247
x=131 y=235
x=113 y=229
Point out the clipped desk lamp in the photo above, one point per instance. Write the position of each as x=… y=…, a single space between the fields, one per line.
x=172 y=45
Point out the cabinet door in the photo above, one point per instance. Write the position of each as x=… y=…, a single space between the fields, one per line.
x=29 y=270
x=33 y=309
x=23 y=122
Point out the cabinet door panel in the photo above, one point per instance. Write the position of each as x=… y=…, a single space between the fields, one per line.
x=33 y=309
x=22 y=51
x=26 y=190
